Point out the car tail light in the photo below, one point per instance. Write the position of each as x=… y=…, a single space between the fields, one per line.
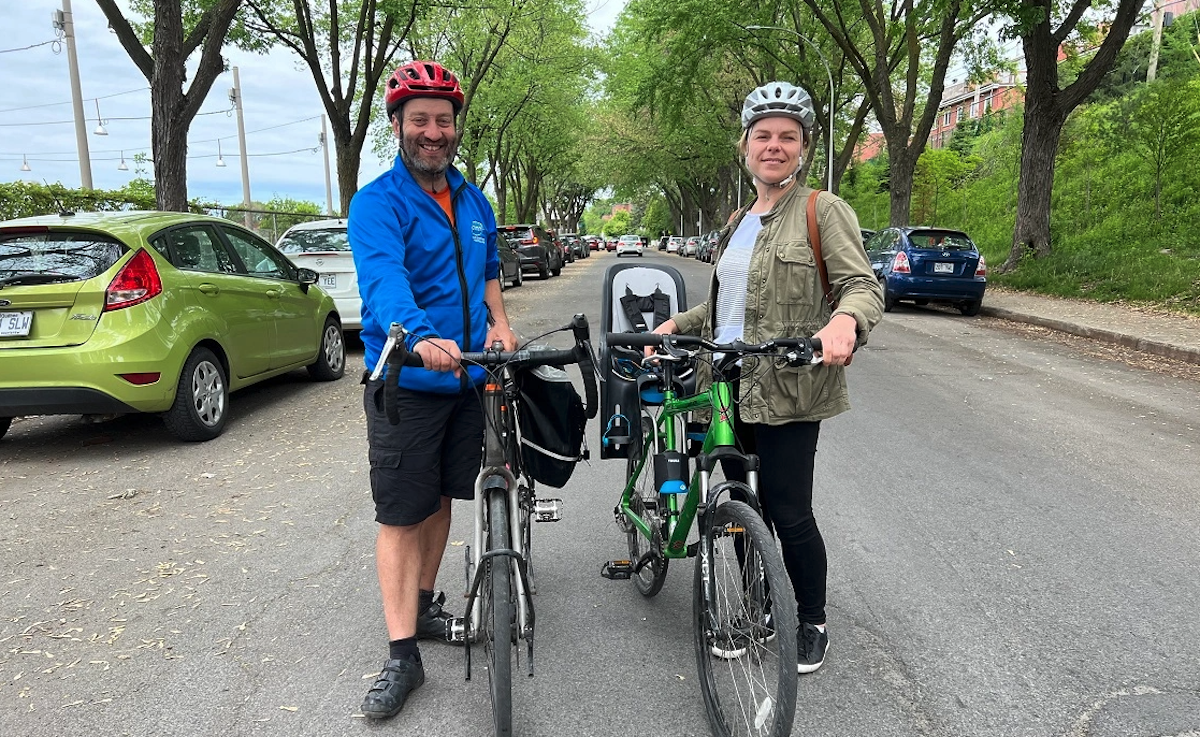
x=141 y=379
x=136 y=282
x=981 y=269
x=900 y=264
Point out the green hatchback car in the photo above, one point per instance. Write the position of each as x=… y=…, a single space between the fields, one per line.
x=120 y=312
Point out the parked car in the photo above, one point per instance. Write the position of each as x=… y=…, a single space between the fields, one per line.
x=674 y=243
x=629 y=244
x=593 y=242
x=535 y=247
x=662 y=242
x=123 y=312
x=576 y=244
x=708 y=245
x=322 y=245
x=928 y=265
x=690 y=246
x=568 y=256
x=510 y=264
x=610 y=244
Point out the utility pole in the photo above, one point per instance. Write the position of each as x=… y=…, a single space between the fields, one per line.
x=64 y=21
x=1156 y=44
x=235 y=96
x=325 y=158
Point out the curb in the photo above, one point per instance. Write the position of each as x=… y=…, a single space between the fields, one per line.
x=1154 y=347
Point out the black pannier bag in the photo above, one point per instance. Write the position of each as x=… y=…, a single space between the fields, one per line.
x=551 y=418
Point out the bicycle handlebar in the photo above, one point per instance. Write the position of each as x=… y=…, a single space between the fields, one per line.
x=798 y=351
x=395 y=354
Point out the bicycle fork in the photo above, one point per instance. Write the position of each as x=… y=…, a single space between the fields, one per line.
x=496 y=480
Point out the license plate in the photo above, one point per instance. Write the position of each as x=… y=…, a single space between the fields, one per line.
x=943 y=268
x=329 y=280
x=15 y=324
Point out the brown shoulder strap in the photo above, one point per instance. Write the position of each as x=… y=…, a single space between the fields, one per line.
x=814 y=238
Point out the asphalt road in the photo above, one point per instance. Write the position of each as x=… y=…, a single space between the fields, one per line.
x=1013 y=532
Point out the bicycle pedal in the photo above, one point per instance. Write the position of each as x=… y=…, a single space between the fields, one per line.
x=547 y=510
x=456 y=629
x=617 y=570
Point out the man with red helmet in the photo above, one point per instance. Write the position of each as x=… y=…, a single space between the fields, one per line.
x=424 y=245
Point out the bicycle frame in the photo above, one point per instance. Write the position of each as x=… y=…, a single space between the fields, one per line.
x=678 y=518
x=494 y=477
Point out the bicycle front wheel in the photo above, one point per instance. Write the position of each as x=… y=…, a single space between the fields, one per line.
x=498 y=614
x=645 y=503
x=745 y=626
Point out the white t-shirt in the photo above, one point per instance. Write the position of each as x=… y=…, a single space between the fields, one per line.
x=733 y=274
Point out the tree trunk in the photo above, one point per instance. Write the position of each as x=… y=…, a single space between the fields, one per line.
x=349 y=157
x=902 y=163
x=1040 y=137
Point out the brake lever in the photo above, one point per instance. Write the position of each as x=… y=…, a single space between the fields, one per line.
x=396 y=333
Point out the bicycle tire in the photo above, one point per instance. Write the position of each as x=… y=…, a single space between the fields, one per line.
x=644 y=503
x=498 y=614
x=745 y=635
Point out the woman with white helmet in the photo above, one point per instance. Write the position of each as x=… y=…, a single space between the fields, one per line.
x=768 y=284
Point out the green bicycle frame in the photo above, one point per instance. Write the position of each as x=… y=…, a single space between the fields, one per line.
x=678 y=519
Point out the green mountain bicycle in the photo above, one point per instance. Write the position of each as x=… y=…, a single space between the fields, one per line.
x=744 y=610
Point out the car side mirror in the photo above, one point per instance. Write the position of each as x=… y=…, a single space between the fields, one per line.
x=306 y=277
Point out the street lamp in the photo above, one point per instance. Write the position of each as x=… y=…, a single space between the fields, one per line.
x=828 y=73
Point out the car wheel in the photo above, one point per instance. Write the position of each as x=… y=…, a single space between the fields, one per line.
x=889 y=302
x=544 y=271
x=201 y=399
x=556 y=272
x=971 y=309
x=5 y=422
x=331 y=359
x=519 y=279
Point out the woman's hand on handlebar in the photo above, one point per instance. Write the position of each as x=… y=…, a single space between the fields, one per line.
x=667 y=328
x=838 y=339
x=439 y=354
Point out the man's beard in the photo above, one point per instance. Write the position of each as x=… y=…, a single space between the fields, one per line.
x=411 y=155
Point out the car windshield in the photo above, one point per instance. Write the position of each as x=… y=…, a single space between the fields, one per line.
x=307 y=241
x=945 y=240
x=61 y=256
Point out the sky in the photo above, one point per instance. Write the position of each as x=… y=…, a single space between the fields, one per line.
x=281 y=110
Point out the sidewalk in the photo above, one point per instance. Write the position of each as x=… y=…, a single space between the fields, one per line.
x=1159 y=334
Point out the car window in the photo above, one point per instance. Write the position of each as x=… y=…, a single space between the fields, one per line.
x=259 y=258
x=71 y=255
x=307 y=241
x=944 y=240
x=194 y=248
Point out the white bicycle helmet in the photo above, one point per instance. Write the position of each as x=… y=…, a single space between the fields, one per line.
x=778 y=98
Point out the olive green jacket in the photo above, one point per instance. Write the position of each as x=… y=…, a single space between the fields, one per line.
x=785 y=299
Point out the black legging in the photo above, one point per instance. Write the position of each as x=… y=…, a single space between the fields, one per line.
x=787 y=454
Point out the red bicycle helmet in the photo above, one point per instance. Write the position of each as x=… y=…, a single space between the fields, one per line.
x=422 y=79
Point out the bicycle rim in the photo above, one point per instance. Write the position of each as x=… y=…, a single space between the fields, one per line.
x=745 y=629
x=498 y=615
x=644 y=503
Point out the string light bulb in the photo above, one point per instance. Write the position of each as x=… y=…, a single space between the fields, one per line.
x=99 y=121
x=25 y=163
x=220 y=158
x=122 y=166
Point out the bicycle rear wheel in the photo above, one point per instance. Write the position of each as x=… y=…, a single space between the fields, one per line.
x=745 y=626
x=645 y=503
x=497 y=613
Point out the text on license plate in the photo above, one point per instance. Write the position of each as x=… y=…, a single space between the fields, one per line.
x=329 y=280
x=939 y=268
x=13 y=324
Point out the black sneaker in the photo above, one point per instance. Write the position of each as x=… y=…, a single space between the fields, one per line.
x=811 y=644
x=396 y=681
x=434 y=622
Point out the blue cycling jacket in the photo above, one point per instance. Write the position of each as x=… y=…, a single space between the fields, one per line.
x=417 y=269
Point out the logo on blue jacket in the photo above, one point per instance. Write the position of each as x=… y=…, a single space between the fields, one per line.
x=477 y=232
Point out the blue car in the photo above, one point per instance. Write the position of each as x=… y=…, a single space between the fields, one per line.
x=924 y=265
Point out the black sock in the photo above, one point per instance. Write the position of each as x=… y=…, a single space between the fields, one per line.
x=404 y=649
x=424 y=600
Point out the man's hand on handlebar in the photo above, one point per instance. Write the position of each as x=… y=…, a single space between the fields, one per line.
x=838 y=340
x=439 y=354
x=503 y=333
